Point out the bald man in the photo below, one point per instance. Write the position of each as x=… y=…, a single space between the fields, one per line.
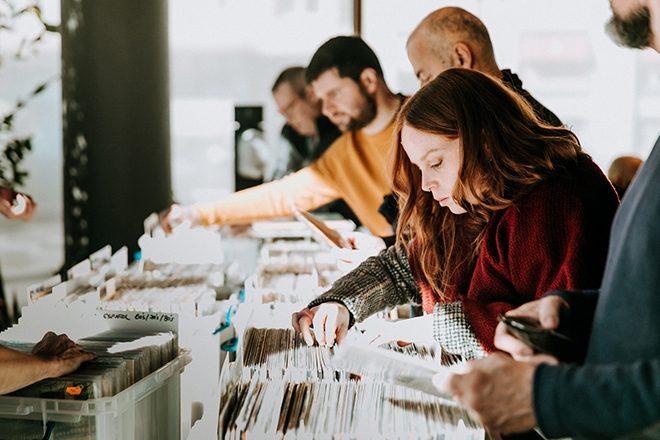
x=622 y=171
x=453 y=37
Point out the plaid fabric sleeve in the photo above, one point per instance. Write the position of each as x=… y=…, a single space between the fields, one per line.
x=379 y=282
x=454 y=333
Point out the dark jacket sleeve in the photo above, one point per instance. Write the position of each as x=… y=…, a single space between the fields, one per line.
x=605 y=400
x=577 y=321
x=380 y=282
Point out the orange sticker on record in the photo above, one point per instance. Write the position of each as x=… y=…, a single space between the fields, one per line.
x=74 y=391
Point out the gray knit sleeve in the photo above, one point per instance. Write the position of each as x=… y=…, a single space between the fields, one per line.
x=454 y=333
x=379 y=282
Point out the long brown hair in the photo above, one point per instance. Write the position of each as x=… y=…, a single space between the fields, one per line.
x=505 y=150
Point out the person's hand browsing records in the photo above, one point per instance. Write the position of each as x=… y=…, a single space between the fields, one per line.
x=15 y=205
x=417 y=330
x=362 y=246
x=546 y=311
x=53 y=356
x=475 y=389
x=329 y=322
x=176 y=215
x=62 y=354
x=359 y=241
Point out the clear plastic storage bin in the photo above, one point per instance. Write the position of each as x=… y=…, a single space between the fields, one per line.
x=149 y=409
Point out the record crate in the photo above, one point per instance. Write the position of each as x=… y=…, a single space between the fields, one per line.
x=148 y=409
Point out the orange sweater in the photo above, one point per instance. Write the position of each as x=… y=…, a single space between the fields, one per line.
x=354 y=168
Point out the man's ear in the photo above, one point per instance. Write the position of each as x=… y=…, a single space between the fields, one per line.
x=369 y=79
x=310 y=96
x=461 y=56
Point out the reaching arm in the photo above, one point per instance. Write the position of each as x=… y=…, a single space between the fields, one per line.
x=606 y=400
x=380 y=282
x=305 y=189
x=20 y=369
x=53 y=356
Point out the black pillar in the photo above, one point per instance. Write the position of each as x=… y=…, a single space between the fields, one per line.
x=115 y=103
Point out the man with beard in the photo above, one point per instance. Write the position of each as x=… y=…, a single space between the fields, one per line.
x=346 y=75
x=307 y=132
x=615 y=392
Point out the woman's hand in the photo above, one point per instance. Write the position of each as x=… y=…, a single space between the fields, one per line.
x=367 y=243
x=329 y=320
x=362 y=246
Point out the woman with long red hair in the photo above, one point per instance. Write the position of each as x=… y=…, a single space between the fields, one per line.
x=497 y=208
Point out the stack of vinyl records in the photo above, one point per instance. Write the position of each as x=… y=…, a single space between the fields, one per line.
x=189 y=290
x=292 y=271
x=122 y=359
x=283 y=388
x=351 y=409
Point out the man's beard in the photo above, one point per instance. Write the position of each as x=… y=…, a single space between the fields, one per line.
x=367 y=113
x=634 y=31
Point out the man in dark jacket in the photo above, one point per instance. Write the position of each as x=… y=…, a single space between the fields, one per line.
x=307 y=132
x=453 y=37
x=616 y=392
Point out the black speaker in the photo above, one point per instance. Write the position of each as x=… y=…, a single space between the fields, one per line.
x=246 y=118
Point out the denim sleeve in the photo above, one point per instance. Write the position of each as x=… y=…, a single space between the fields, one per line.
x=599 y=401
x=577 y=321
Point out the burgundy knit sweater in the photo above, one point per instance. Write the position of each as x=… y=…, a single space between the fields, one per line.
x=554 y=237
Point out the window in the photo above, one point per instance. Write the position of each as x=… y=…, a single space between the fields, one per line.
x=225 y=53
